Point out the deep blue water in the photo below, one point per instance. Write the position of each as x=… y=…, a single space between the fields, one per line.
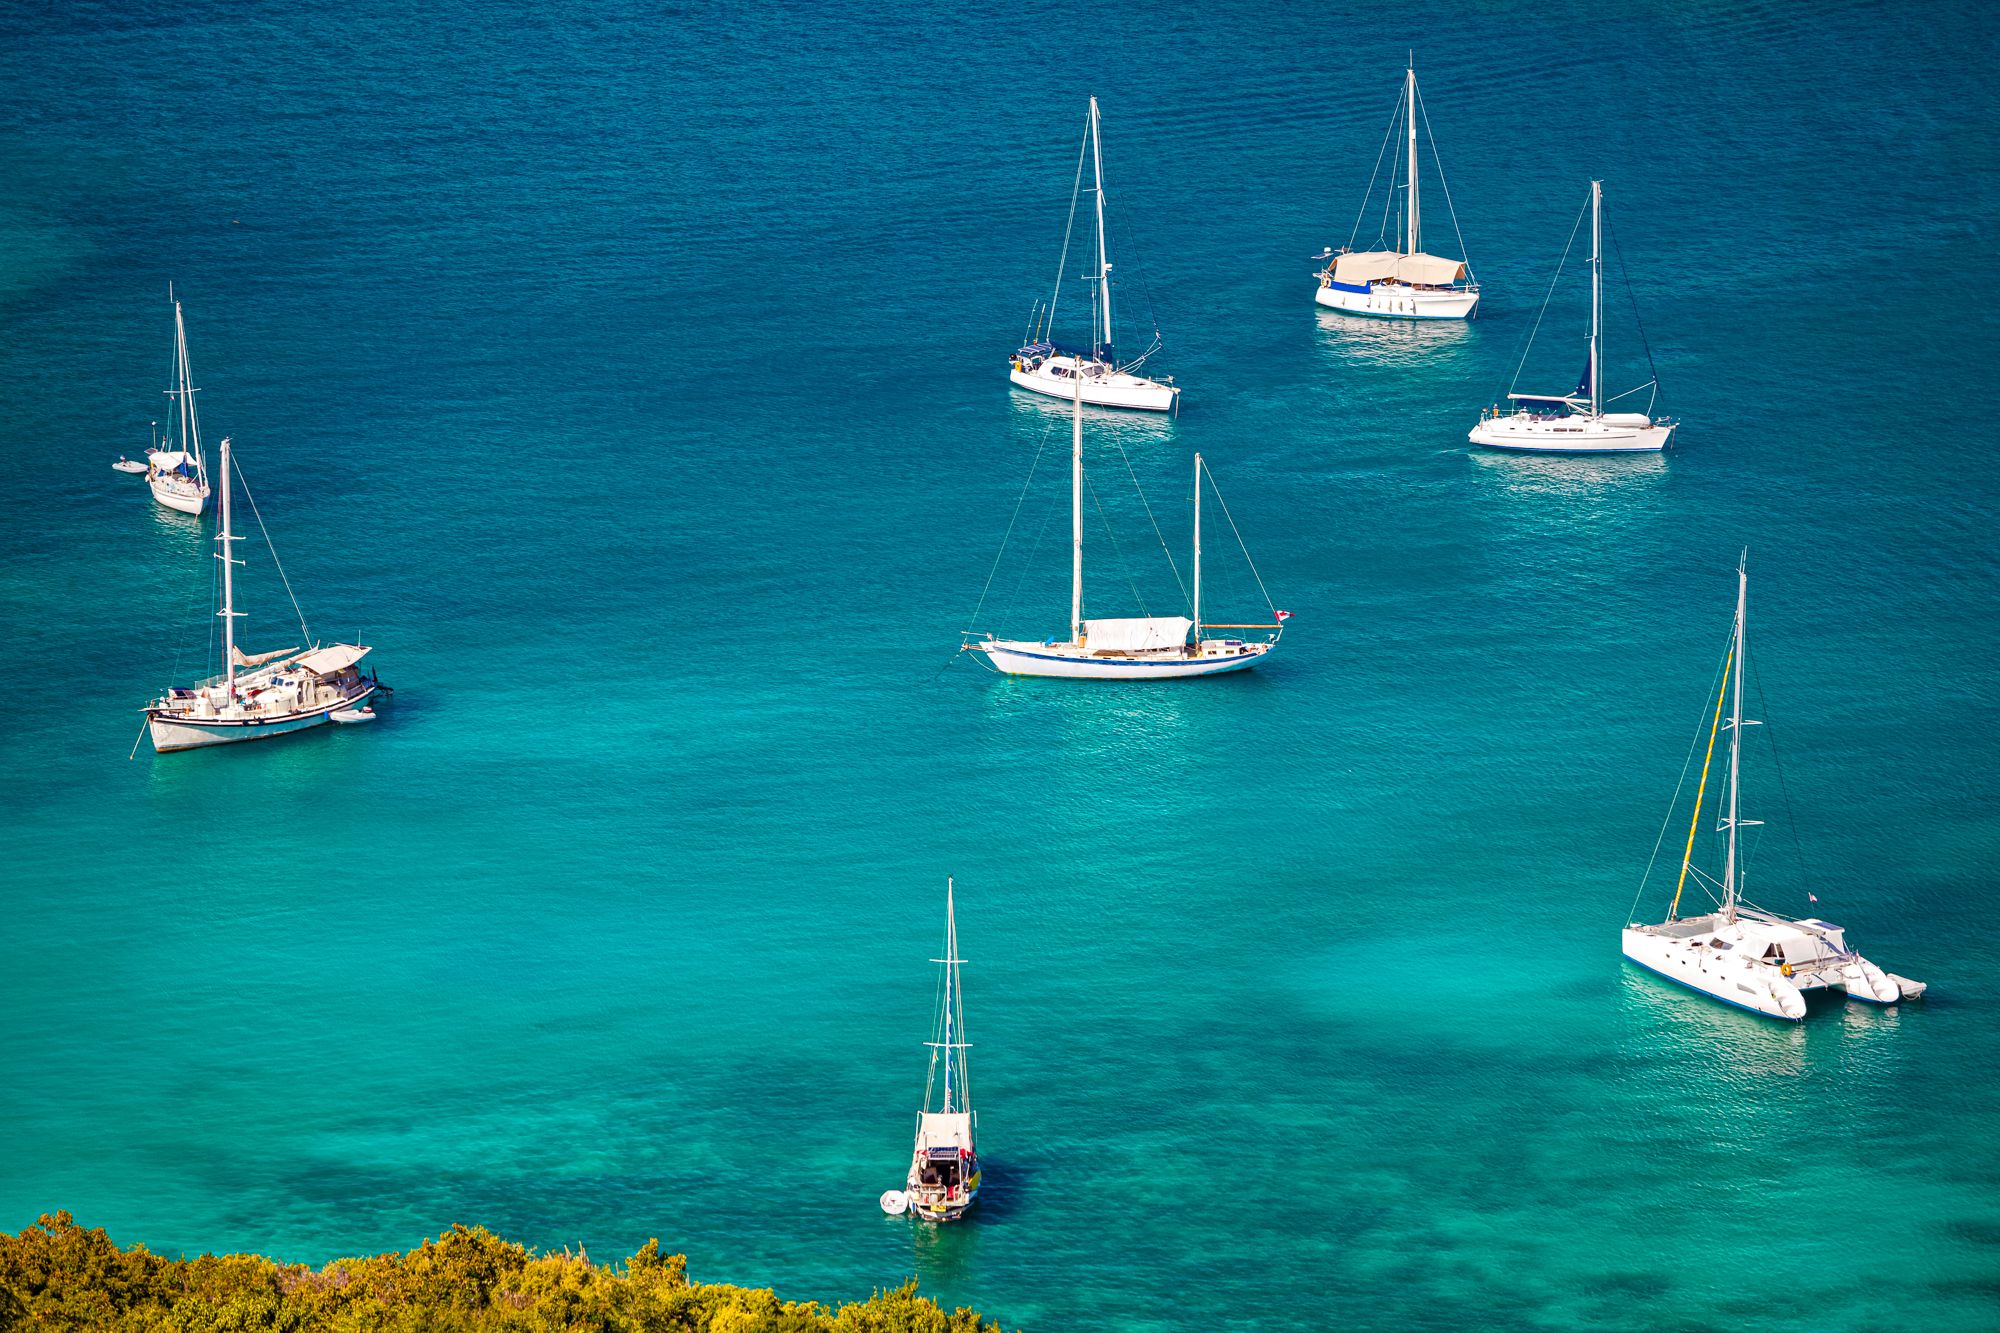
x=632 y=380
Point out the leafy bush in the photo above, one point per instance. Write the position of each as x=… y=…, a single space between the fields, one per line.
x=58 y=1276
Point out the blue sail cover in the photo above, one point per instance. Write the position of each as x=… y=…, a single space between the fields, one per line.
x=1583 y=383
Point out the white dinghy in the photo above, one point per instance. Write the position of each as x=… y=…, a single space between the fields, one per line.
x=266 y=694
x=1740 y=954
x=1404 y=282
x=944 y=1174
x=1045 y=367
x=1576 y=423
x=178 y=477
x=1131 y=648
x=131 y=465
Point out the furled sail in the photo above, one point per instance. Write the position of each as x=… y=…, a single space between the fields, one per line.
x=244 y=659
x=1136 y=634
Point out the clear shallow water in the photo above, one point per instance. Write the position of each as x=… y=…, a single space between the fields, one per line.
x=633 y=383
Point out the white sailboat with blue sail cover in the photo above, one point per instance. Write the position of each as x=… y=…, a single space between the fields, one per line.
x=1404 y=282
x=1046 y=367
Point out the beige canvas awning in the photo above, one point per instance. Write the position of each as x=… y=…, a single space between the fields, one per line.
x=1364 y=267
x=941 y=1129
x=328 y=660
x=1136 y=634
x=1429 y=270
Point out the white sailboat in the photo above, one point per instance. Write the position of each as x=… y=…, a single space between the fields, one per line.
x=1131 y=648
x=178 y=477
x=1406 y=282
x=1740 y=954
x=944 y=1174
x=268 y=694
x=1045 y=367
x=1576 y=423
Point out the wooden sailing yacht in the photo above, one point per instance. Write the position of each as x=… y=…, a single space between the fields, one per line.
x=268 y=694
x=944 y=1174
x=178 y=477
x=1403 y=283
x=1045 y=367
x=1131 y=648
x=1740 y=954
x=1577 y=423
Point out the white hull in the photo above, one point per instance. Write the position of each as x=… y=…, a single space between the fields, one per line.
x=1569 y=435
x=1025 y=658
x=1393 y=300
x=181 y=733
x=1761 y=985
x=1103 y=388
x=178 y=495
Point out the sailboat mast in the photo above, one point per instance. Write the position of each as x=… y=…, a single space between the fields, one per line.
x=950 y=976
x=1410 y=114
x=1076 y=503
x=1729 y=870
x=1197 y=549
x=1596 y=288
x=1103 y=255
x=228 y=612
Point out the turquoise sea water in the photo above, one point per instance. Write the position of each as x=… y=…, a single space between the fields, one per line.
x=632 y=379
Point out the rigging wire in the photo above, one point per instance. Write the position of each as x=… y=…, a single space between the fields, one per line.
x=1784 y=793
x=1149 y=518
x=1529 y=345
x=1449 y=206
x=1028 y=567
x=1632 y=299
x=1123 y=565
x=1075 y=193
x=272 y=548
x=1701 y=720
x=1023 y=499
x=1240 y=544
x=1379 y=154
x=1395 y=166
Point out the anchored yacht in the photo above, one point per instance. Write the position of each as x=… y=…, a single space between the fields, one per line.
x=1739 y=954
x=266 y=694
x=944 y=1174
x=178 y=477
x=1096 y=372
x=1404 y=282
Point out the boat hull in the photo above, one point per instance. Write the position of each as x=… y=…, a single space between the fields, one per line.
x=1063 y=661
x=1759 y=989
x=183 y=498
x=170 y=734
x=1116 y=389
x=1393 y=300
x=1530 y=435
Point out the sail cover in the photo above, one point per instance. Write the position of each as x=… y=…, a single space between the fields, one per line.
x=945 y=1129
x=244 y=659
x=1136 y=634
x=328 y=660
x=168 y=460
x=1358 y=270
x=1429 y=270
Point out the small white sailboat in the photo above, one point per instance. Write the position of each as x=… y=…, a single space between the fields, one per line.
x=1045 y=367
x=1740 y=954
x=944 y=1174
x=178 y=477
x=1576 y=423
x=1131 y=648
x=266 y=694
x=1406 y=282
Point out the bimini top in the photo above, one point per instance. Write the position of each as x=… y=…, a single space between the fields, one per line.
x=338 y=657
x=945 y=1129
x=1420 y=269
x=168 y=460
x=1136 y=634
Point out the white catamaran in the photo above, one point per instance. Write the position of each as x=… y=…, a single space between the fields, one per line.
x=268 y=694
x=1738 y=953
x=944 y=1166
x=178 y=477
x=1134 y=648
x=1045 y=367
x=1403 y=283
x=1577 y=423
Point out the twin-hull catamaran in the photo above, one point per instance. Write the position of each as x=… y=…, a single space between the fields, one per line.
x=1048 y=368
x=1739 y=954
x=269 y=694
x=1403 y=283
x=178 y=477
x=1135 y=648
x=1577 y=423
x=944 y=1174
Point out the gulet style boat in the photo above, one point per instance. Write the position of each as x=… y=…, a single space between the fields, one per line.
x=944 y=1174
x=1740 y=954
x=1406 y=282
x=1046 y=367
x=268 y=694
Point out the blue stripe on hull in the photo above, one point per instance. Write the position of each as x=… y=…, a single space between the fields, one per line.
x=1709 y=994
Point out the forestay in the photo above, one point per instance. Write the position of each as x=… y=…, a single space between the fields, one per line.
x=1136 y=634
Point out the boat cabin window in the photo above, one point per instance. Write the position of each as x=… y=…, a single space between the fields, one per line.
x=1722 y=944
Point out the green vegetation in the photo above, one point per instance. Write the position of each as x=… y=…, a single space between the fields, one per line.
x=56 y=1275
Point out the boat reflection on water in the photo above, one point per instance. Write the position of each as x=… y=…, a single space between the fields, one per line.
x=1570 y=475
x=1391 y=342
x=1108 y=424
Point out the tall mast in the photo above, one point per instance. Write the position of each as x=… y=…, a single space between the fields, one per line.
x=1415 y=227
x=184 y=391
x=228 y=611
x=1729 y=876
x=1596 y=286
x=1197 y=549
x=951 y=1037
x=1076 y=501
x=1103 y=257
